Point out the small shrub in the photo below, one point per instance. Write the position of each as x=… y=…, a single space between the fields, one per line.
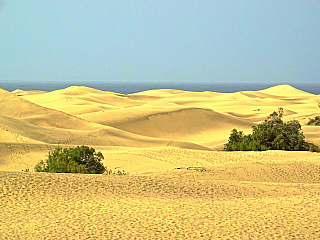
x=110 y=172
x=72 y=160
x=314 y=148
x=314 y=121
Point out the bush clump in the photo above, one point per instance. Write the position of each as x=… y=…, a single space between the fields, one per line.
x=82 y=159
x=314 y=148
x=272 y=134
x=314 y=121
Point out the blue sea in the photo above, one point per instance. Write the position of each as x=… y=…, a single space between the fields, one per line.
x=128 y=88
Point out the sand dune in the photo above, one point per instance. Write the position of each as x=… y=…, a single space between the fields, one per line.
x=78 y=100
x=178 y=185
x=20 y=93
x=201 y=126
x=285 y=91
x=154 y=118
x=19 y=108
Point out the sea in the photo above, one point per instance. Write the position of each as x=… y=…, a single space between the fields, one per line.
x=129 y=88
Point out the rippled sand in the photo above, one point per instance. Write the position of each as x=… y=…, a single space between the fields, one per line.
x=172 y=205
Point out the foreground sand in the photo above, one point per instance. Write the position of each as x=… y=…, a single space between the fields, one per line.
x=179 y=185
x=177 y=204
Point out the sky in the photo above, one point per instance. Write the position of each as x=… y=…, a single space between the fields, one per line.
x=163 y=41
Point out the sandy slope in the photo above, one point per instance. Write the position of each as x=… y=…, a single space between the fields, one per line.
x=177 y=186
x=202 y=126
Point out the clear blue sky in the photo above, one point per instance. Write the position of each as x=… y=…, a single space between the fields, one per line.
x=275 y=41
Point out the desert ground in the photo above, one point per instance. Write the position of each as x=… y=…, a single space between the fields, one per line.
x=180 y=184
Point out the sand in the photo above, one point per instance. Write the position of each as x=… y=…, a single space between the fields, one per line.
x=179 y=183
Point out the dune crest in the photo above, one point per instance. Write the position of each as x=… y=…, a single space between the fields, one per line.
x=285 y=90
x=20 y=93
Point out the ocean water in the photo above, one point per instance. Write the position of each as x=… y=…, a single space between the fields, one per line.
x=128 y=88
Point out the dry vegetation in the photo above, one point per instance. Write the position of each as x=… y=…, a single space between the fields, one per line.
x=176 y=188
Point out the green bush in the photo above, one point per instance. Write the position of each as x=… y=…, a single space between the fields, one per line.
x=272 y=134
x=314 y=121
x=314 y=148
x=72 y=160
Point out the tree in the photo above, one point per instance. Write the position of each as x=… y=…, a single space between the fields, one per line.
x=234 y=139
x=82 y=159
x=272 y=134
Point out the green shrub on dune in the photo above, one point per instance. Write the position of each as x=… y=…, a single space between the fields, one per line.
x=73 y=160
x=314 y=121
x=240 y=142
x=314 y=148
x=272 y=134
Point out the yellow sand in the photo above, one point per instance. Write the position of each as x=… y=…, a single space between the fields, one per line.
x=179 y=186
